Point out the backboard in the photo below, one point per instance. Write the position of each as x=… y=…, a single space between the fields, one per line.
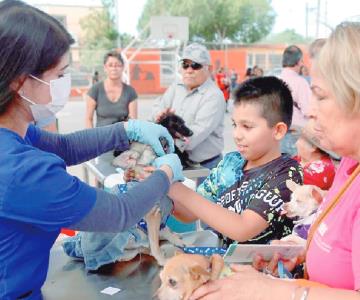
x=169 y=27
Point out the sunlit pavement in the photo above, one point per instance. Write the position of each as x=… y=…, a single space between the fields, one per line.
x=72 y=118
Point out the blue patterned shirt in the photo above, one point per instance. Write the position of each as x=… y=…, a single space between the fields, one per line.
x=261 y=189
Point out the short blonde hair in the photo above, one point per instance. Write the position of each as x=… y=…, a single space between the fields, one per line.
x=339 y=64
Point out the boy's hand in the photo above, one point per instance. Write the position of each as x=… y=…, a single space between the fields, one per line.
x=138 y=173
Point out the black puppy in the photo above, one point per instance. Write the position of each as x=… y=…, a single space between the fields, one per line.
x=178 y=130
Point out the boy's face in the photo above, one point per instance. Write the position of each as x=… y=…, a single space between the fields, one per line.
x=254 y=139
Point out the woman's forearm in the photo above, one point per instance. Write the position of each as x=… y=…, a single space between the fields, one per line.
x=118 y=212
x=89 y=123
x=133 y=110
x=288 y=290
x=77 y=147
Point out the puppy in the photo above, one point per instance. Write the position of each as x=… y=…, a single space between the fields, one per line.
x=178 y=130
x=305 y=200
x=140 y=155
x=184 y=273
x=176 y=126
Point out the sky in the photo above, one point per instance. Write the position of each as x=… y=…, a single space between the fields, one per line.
x=290 y=13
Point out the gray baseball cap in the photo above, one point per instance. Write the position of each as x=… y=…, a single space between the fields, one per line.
x=197 y=53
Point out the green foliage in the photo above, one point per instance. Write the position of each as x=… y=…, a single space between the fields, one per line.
x=288 y=36
x=100 y=34
x=243 y=21
x=99 y=29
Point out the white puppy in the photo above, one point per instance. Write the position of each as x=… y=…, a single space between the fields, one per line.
x=305 y=200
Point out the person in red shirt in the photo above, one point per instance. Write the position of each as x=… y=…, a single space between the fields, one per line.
x=223 y=83
x=317 y=162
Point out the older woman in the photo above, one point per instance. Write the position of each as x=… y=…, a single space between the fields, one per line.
x=333 y=252
x=37 y=195
x=112 y=100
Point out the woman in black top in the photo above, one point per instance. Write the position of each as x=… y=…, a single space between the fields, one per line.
x=111 y=99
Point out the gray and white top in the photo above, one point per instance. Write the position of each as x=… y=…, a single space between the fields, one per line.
x=203 y=110
x=109 y=112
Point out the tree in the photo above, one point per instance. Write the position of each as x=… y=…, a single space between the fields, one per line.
x=99 y=28
x=288 y=36
x=243 y=21
x=100 y=34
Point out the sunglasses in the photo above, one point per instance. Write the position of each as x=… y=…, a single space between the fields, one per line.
x=195 y=66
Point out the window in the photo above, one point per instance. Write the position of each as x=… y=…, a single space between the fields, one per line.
x=275 y=61
x=167 y=67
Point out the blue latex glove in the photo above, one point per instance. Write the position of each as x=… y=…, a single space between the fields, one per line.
x=149 y=133
x=173 y=161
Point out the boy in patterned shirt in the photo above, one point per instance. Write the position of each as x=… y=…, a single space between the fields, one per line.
x=247 y=189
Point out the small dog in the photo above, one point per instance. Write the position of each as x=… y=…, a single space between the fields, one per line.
x=184 y=273
x=305 y=200
x=178 y=130
x=141 y=155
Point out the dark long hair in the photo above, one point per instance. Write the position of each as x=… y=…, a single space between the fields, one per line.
x=31 y=42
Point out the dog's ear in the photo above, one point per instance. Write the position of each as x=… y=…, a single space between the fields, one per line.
x=291 y=185
x=318 y=194
x=199 y=274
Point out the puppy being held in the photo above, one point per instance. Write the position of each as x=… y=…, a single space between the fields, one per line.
x=305 y=200
x=184 y=273
x=140 y=155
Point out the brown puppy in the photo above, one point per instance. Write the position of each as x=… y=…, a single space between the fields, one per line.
x=184 y=273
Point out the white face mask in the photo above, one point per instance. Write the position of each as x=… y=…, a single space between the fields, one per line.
x=44 y=114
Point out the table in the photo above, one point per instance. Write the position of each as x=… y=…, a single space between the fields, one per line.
x=138 y=279
x=101 y=167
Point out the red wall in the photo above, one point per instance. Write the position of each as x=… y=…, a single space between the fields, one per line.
x=145 y=78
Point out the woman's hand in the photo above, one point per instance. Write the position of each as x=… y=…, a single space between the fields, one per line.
x=149 y=133
x=245 y=283
x=172 y=161
x=271 y=267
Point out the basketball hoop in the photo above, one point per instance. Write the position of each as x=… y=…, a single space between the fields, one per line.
x=169 y=28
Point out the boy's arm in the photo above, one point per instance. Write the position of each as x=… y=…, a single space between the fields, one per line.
x=208 y=189
x=239 y=227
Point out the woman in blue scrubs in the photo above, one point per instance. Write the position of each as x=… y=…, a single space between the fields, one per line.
x=37 y=195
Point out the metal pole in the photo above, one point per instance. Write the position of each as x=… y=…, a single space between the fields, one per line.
x=318 y=18
x=116 y=4
x=306 y=20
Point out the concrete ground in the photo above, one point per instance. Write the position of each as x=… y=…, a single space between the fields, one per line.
x=72 y=118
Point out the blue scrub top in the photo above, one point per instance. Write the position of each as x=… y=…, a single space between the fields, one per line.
x=37 y=198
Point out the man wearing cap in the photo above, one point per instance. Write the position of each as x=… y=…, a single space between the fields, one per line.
x=198 y=100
